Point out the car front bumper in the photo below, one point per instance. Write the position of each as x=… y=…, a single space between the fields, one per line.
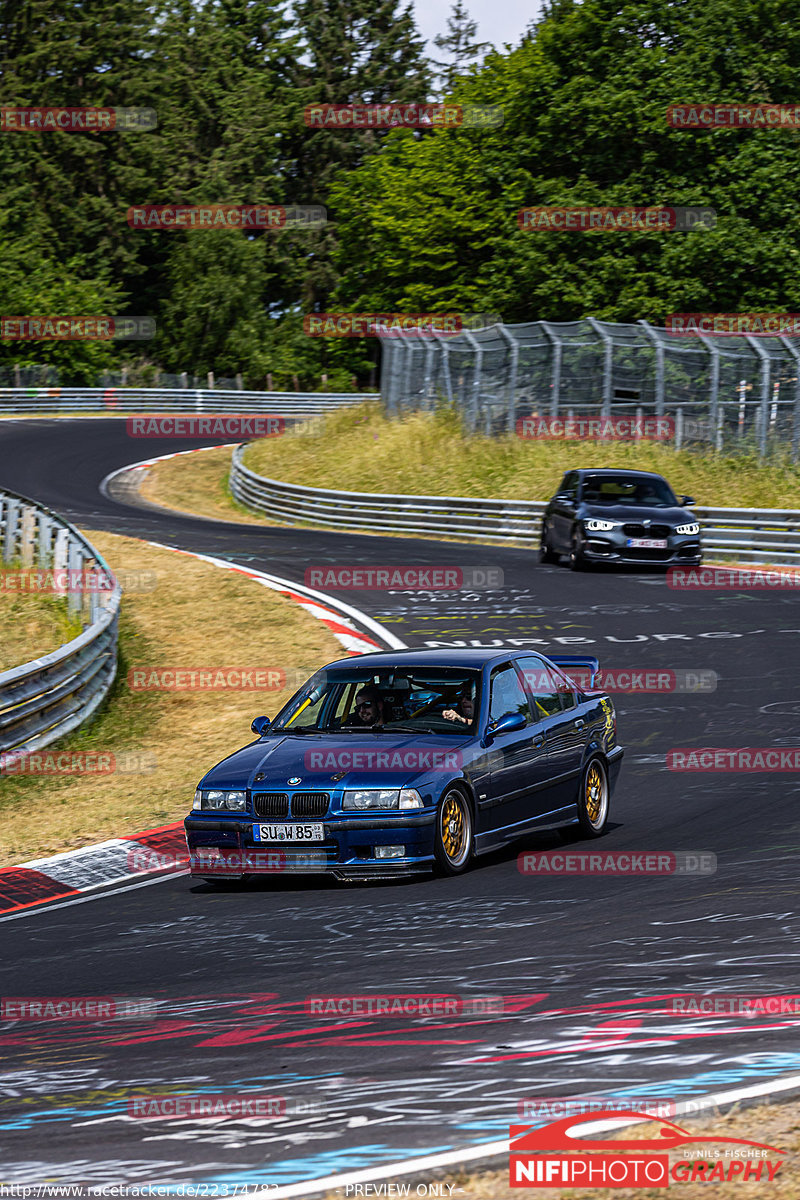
x=602 y=547
x=224 y=847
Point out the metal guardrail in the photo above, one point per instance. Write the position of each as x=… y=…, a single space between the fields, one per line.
x=46 y=698
x=751 y=534
x=32 y=400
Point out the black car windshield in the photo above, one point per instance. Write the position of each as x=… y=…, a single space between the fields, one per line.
x=635 y=490
x=344 y=701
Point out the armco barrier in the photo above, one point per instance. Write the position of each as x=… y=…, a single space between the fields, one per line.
x=45 y=699
x=749 y=534
x=35 y=400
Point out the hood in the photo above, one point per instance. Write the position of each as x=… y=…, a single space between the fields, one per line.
x=641 y=512
x=357 y=759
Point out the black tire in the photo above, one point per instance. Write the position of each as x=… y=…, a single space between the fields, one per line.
x=546 y=555
x=576 y=560
x=594 y=796
x=453 y=837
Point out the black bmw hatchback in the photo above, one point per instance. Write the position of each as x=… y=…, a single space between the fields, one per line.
x=630 y=517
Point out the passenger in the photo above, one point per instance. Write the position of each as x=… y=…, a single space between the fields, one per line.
x=464 y=711
x=368 y=708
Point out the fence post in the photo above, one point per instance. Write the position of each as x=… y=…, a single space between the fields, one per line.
x=555 y=374
x=764 y=403
x=678 y=427
x=184 y=377
x=472 y=408
x=211 y=381
x=511 y=419
x=239 y=382
x=714 y=411
x=608 y=366
x=795 y=353
x=653 y=335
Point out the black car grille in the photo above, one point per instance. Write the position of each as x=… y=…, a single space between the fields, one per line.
x=270 y=804
x=646 y=531
x=310 y=804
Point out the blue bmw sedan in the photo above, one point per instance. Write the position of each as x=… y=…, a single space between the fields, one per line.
x=410 y=761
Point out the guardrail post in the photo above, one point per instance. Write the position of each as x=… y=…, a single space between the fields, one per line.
x=472 y=407
x=556 y=345
x=27 y=535
x=45 y=539
x=608 y=369
x=74 y=565
x=660 y=377
x=10 y=528
x=795 y=353
x=764 y=403
x=60 y=556
x=511 y=419
x=211 y=381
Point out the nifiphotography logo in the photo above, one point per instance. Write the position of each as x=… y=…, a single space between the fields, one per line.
x=630 y=1162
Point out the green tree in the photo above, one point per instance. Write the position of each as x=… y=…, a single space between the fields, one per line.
x=459 y=45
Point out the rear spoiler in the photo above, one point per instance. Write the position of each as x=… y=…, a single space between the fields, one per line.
x=569 y=662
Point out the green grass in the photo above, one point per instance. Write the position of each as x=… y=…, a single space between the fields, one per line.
x=31 y=623
x=360 y=450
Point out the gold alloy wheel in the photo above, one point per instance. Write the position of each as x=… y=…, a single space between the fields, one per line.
x=454 y=828
x=595 y=795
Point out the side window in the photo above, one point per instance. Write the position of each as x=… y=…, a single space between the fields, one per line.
x=544 y=686
x=507 y=695
x=569 y=484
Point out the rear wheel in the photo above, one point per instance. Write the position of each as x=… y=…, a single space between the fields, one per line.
x=593 y=799
x=546 y=555
x=453 y=848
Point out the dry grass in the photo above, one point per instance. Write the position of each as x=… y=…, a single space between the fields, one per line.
x=31 y=624
x=359 y=449
x=198 y=615
x=776 y=1125
x=196 y=483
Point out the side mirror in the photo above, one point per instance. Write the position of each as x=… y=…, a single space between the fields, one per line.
x=508 y=723
x=260 y=725
x=687 y=499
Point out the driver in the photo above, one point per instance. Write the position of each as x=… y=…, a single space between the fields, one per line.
x=368 y=708
x=464 y=710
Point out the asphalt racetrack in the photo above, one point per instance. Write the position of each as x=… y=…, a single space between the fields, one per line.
x=587 y=966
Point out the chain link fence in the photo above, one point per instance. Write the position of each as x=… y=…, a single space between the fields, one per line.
x=732 y=393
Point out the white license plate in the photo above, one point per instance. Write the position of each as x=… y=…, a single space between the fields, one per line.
x=648 y=543
x=288 y=833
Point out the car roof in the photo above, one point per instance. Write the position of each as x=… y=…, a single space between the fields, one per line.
x=449 y=656
x=615 y=471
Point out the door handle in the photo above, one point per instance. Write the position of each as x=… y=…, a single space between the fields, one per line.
x=538 y=742
x=579 y=724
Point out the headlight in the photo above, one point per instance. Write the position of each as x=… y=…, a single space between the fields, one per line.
x=595 y=526
x=692 y=527
x=371 y=799
x=226 y=801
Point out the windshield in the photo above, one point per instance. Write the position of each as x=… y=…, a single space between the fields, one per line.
x=414 y=699
x=628 y=489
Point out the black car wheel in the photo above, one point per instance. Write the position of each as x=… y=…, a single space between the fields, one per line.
x=593 y=799
x=576 y=560
x=546 y=555
x=453 y=847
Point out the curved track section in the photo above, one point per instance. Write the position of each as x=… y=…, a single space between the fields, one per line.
x=587 y=966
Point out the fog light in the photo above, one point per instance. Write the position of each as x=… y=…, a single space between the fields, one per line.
x=389 y=851
x=207 y=852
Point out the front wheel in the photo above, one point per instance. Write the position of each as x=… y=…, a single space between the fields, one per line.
x=453 y=833
x=577 y=562
x=546 y=555
x=593 y=799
